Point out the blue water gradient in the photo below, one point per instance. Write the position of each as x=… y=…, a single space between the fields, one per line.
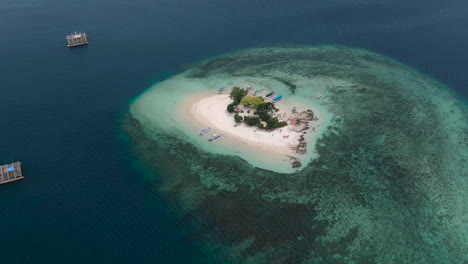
x=84 y=199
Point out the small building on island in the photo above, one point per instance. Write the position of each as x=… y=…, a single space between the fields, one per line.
x=77 y=39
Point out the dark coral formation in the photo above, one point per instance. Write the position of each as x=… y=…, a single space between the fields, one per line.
x=388 y=186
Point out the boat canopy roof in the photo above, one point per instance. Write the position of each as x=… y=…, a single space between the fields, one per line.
x=278 y=97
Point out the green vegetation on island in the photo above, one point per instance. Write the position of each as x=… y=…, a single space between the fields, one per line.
x=263 y=117
x=387 y=182
x=252 y=101
x=238 y=118
x=237 y=94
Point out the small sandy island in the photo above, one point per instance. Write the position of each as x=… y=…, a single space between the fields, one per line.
x=285 y=147
x=282 y=139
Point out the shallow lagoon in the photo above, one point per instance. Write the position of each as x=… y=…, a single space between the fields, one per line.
x=388 y=185
x=169 y=106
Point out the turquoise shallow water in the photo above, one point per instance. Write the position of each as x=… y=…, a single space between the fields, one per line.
x=388 y=186
x=88 y=199
x=180 y=96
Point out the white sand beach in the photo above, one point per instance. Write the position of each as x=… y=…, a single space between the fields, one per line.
x=184 y=107
x=210 y=111
x=205 y=109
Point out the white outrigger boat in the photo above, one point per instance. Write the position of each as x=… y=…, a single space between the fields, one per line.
x=204 y=131
x=214 y=137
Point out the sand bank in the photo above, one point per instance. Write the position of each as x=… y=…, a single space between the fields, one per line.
x=184 y=108
x=271 y=149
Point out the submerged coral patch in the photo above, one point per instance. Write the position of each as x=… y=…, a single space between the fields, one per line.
x=387 y=184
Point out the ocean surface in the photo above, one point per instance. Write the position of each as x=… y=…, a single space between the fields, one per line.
x=86 y=197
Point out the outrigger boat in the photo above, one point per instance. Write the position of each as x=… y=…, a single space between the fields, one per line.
x=248 y=88
x=220 y=90
x=318 y=96
x=270 y=94
x=277 y=98
x=204 y=131
x=258 y=91
x=214 y=137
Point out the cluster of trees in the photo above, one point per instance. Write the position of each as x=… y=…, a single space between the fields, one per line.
x=253 y=101
x=274 y=123
x=263 y=111
x=252 y=120
x=271 y=123
x=236 y=95
x=238 y=118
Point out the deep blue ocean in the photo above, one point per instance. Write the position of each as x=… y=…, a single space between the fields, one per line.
x=85 y=198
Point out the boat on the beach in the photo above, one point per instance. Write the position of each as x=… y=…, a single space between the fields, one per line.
x=248 y=88
x=214 y=137
x=258 y=91
x=204 y=131
x=277 y=98
x=220 y=90
x=270 y=94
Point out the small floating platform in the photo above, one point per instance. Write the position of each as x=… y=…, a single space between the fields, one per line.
x=10 y=172
x=77 y=39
